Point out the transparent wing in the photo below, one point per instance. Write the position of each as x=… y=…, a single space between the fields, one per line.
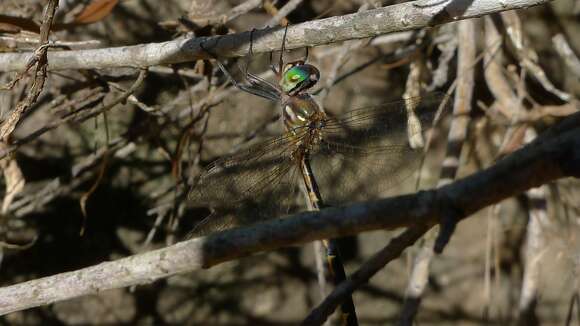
x=252 y=185
x=370 y=152
x=360 y=156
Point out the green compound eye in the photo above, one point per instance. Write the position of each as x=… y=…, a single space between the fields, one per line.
x=298 y=77
x=295 y=74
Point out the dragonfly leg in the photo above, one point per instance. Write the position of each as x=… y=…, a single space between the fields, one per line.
x=257 y=86
x=272 y=66
x=250 y=78
x=244 y=70
x=281 y=59
x=306 y=55
x=220 y=65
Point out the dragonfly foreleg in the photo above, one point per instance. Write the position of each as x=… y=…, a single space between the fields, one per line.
x=256 y=87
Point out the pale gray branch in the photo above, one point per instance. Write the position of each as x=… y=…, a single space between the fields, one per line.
x=565 y=51
x=537 y=163
x=396 y=18
x=467 y=59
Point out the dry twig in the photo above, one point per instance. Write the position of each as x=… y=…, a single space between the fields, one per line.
x=39 y=60
x=456 y=138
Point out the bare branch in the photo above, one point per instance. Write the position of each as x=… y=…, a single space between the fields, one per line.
x=400 y=17
x=535 y=164
x=535 y=248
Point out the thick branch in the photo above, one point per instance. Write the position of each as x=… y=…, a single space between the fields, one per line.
x=396 y=18
x=554 y=155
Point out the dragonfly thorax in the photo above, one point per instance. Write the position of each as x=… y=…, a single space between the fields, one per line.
x=297 y=77
x=304 y=121
x=300 y=111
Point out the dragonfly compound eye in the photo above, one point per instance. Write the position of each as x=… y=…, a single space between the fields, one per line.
x=299 y=78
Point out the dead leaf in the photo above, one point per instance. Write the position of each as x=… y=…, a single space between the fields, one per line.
x=515 y=141
x=13 y=177
x=95 y=11
x=85 y=197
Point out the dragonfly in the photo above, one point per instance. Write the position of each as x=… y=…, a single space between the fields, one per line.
x=265 y=179
x=316 y=151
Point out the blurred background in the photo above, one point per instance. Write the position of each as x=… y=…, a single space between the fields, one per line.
x=82 y=186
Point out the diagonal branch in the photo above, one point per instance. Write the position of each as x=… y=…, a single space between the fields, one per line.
x=345 y=289
x=554 y=154
x=401 y=17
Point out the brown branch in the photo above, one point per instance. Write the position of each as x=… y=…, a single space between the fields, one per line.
x=495 y=78
x=553 y=155
x=39 y=59
x=81 y=172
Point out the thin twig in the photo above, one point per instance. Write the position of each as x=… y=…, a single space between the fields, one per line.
x=374 y=264
x=40 y=61
x=535 y=247
x=527 y=56
x=283 y=12
x=466 y=39
x=75 y=116
x=565 y=51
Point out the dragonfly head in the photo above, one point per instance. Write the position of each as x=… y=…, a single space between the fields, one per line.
x=297 y=77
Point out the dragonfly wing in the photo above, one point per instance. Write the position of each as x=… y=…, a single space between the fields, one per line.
x=397 y=122
x=267 y=89
x=262 y=90
x=252 y=185
x=370 y=152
